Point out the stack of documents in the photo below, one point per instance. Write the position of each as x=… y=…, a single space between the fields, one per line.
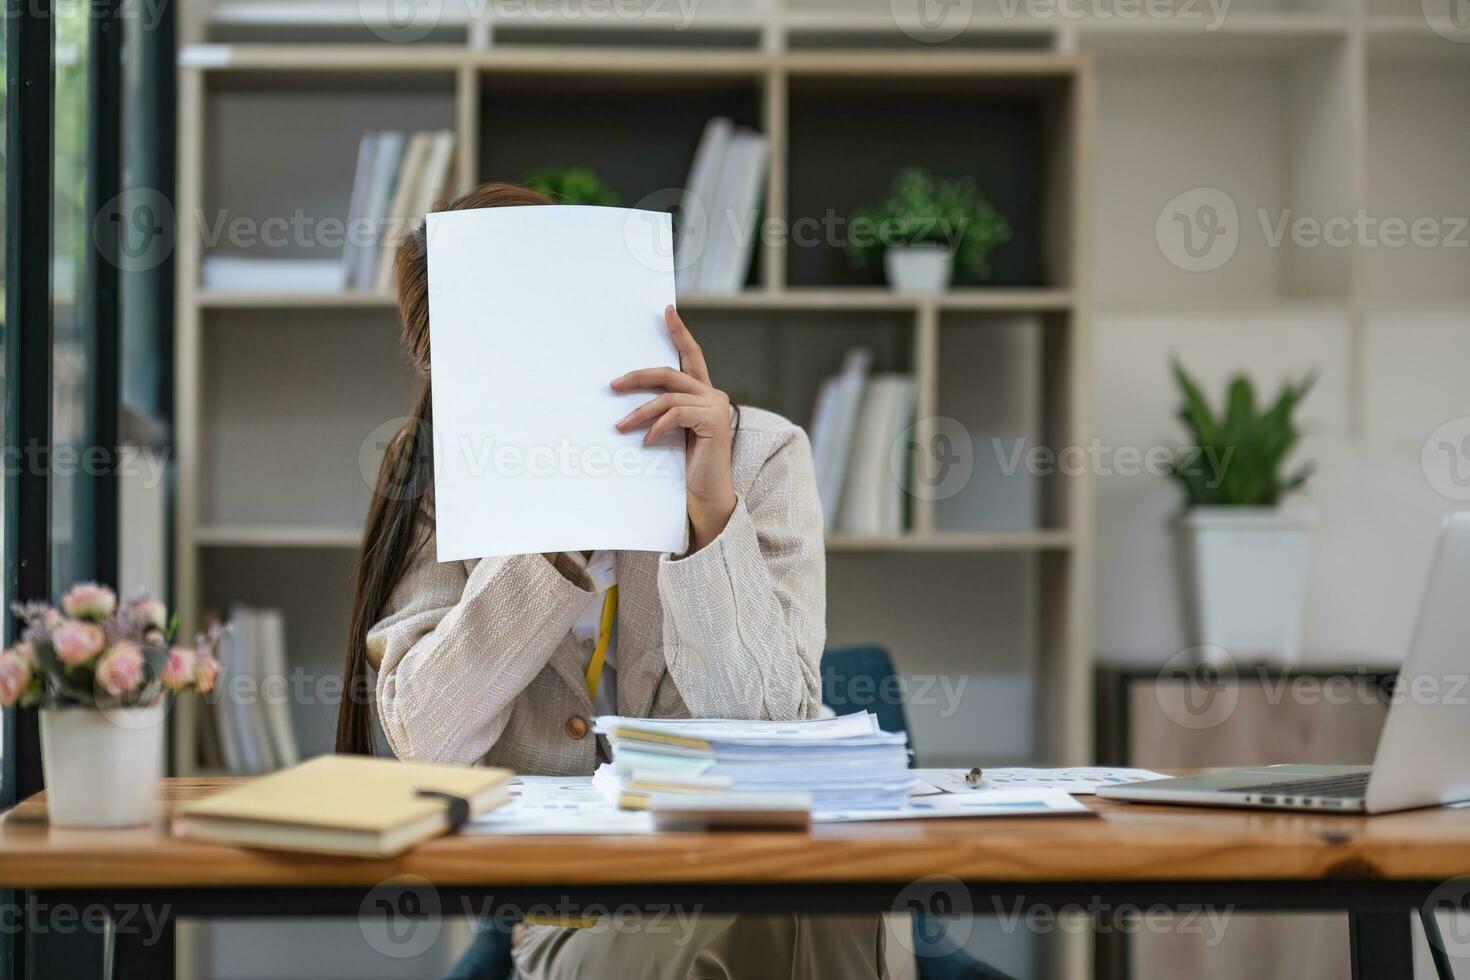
x=846 y=763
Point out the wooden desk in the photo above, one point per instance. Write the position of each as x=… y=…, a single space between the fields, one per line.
x=1134 y=856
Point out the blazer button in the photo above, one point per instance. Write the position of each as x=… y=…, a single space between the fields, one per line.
x=577 y=727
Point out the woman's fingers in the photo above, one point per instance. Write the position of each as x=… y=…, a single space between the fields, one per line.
x=660 y=377
x=702 y=420
x=691 y=357
x=652 y=409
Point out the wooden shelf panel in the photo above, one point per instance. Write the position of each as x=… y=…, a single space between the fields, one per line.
x=276 y=536
x=981 y=299
x=860 y=65
x=1241 y=37
x=288 y=536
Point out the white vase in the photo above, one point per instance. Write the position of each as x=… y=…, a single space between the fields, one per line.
x=923 y=267
x=101 y=766
x=1245 y=570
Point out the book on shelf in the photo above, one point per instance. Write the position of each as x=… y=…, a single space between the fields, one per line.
x=339 y=804
x=400 y=206
x=696 y=215
x=720 y=209
x=838 y=400
x=874 y=489
x=422 y=181
x=362 y=176
x=387 y=157
x=252 y=717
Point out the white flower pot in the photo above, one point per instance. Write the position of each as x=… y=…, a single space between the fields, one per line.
x=101 y=767
x=924 y=267
x=1245 y=571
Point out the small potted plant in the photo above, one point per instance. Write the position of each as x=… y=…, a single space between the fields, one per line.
x=99 y=673
x=573 y=185
x=924 y=225
x=1244 y=556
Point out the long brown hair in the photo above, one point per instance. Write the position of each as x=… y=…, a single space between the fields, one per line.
x=403 y=498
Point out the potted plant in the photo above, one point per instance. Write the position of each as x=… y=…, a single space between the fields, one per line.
x=99 y=674
x=1244 y=557
x=573 y=185
x=924 y=225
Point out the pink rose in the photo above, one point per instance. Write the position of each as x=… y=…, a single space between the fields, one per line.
x=146 y=612
x=88 y=600
x=178 y=669
x=77 y=642
x=15 y=676
x=206 y=671
x=121 y=671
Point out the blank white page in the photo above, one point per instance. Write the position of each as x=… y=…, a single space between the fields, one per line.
x=533 y=311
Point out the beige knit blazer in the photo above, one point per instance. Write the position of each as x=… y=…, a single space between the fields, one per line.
x=476 y=660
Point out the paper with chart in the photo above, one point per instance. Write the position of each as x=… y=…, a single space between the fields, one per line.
x=558 y=805
x=1079 y=781
x=979 y=803
x=532 y=312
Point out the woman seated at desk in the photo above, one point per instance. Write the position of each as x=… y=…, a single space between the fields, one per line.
x=503 y=660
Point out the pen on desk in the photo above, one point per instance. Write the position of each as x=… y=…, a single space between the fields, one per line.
x=973 y=777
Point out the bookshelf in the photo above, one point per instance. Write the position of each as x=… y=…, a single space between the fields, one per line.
x=278 y=391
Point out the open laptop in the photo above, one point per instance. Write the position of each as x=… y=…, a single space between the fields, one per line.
x=1423 y=756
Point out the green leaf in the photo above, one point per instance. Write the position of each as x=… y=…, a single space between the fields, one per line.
x=1247 y=446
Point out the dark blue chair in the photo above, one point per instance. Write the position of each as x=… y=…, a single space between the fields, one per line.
x=862 y=678
x=857 y=678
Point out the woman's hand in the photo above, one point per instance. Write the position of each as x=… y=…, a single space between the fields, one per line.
x=689 y=402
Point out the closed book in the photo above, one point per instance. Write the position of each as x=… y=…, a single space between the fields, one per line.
x=833 y=424
x=387 y=159
x=275 y=686
x=696 y=209
x=361 y=179
x=256 y=717
x=400 y=211
x=341 y=804
x=435 y=186
x=872 y=493
x=733 y=232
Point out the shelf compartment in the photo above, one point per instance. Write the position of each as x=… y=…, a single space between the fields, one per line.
x=1001 y=410
x=289 y=434
x=638 y=130
x=1193 y=189
x=998 y=130
x=260 y=202
x=313 y=589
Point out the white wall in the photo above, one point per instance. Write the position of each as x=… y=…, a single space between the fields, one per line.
x=1378 y=511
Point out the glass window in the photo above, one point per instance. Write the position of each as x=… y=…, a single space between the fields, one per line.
x=4 y=334
x=71 y=422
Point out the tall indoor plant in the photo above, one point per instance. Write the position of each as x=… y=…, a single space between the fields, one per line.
x=923 y=227
x=99 y=672
x=1244 y=556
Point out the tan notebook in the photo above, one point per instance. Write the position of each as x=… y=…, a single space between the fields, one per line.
x=343 y=804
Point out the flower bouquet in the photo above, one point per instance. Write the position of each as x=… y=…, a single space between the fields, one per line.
x=99 y=670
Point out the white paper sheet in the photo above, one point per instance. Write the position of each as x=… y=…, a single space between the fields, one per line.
x=1080 y=781
x=533 y=311
x=978 y=803
x=558 y=805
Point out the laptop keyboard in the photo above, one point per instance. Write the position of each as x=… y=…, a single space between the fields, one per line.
x=1349 y=787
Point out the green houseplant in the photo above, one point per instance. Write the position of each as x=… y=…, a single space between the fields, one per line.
x=573 y=185
x=1244 y=556
x=923 y=227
